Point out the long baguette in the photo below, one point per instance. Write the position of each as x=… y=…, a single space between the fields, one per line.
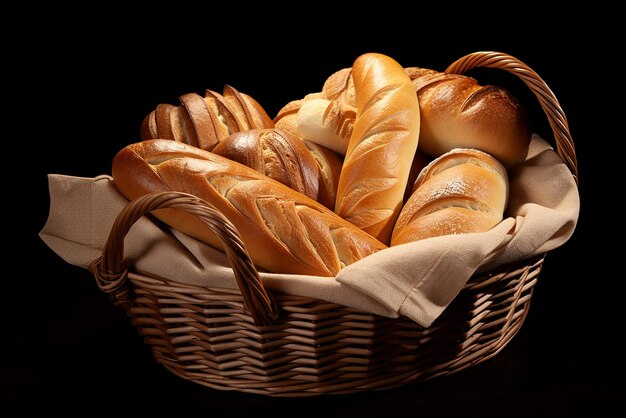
x=381 y=149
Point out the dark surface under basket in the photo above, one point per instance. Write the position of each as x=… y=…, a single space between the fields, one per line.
x=315 y=347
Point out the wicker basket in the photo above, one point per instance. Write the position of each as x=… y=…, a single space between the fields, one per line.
x=282 y=345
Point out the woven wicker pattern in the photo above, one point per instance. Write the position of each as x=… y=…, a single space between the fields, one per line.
x=317 y=347
x=282 y=345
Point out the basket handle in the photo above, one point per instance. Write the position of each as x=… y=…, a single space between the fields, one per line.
x=110 y=270
x=549 y=103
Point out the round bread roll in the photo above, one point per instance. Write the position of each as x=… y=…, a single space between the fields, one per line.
x=327 y=123
x=287 y=118
x=457 y=112
x=462 y=191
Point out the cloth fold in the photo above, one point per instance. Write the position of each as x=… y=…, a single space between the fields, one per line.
x=417 y=280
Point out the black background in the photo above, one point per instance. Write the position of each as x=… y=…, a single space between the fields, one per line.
x=81 y=91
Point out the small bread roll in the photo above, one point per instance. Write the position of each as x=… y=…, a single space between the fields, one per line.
x=327 y=123
x=286 y=119
x=462 y=191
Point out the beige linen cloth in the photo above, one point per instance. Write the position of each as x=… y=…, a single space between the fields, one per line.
x=417 y=280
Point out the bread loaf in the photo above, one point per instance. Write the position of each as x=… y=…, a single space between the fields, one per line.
x=340 y=87
x=246 y=111
x=199 y=125
x=329 y=165
x=283 y=230
x=462 y=191
x=203 y=122
x=457 y=112
x=277 y=155
x=381 y=148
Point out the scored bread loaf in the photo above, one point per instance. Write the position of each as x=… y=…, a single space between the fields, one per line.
x=205 y=121
x=462 y=191
x=340 y=87
x=283 y=230
x=329 y=165
x=382 y=146
x=275 y=154
x=247 y=112
x=303 y=166
x=457 y=112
